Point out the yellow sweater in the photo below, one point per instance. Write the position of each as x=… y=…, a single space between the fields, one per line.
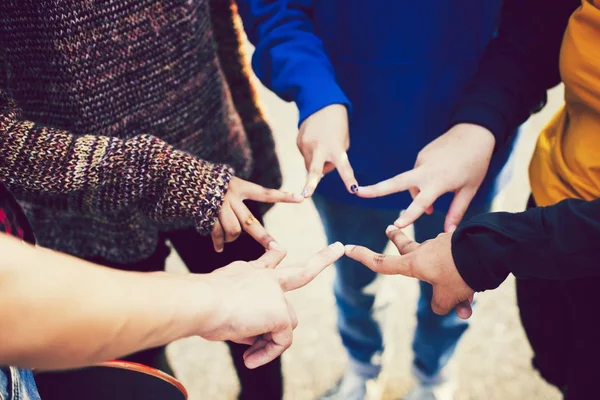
x=566 y=162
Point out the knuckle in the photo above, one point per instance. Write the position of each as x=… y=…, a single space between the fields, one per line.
x=315 y=170
x=436 y=306
x=378 y=260
x=234 y=232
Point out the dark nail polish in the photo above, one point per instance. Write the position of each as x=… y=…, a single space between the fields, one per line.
x=354 y=188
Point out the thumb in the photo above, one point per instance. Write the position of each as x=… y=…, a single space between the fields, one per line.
x=400 y=240
x=458 y=208
x=464 y=310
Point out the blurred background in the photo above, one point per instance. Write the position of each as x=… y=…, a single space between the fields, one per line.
x=492 y=361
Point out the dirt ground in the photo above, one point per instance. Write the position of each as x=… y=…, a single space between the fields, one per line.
x=492 y=361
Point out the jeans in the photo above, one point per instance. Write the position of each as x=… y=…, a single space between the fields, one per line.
x=436 y=336
x=17 y=384
x=198 y=255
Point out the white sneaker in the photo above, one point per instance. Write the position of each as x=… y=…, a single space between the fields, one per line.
x=351 y=387
x=441 y=391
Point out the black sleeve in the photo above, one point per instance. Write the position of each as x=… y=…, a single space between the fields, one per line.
x=517 y=68
x=556 y=242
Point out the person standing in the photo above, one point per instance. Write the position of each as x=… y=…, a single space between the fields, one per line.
x=375 y=85
x=57 y=313
x=124 y=124
x=552 y=247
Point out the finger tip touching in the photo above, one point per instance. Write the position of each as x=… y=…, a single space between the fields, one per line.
x=296 y=198
x=391 y=228
x=338 y=248
x=349 y=250
x=307 y=192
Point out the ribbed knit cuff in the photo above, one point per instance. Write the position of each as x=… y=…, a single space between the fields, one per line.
x=219 y=177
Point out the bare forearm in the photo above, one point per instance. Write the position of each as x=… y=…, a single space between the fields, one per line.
x=61 y=312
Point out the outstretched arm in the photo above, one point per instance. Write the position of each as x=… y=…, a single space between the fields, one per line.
x=61 y=312
x=290 y=59
x=519 y=65
x=556 y=242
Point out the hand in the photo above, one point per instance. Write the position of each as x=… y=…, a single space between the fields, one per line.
x=235 y=216
x=251 y=306
x=431 y=262
x=323 y=141
x=455 y=162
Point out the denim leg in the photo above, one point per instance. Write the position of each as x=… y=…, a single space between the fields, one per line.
x=436 y=336
x=17 y=384
x=360 y=332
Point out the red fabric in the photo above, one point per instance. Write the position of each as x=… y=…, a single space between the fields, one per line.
x=12 y=219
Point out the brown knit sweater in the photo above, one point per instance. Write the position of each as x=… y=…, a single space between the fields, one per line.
x=120 y=118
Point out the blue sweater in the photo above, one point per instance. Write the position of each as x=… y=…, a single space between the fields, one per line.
x=399 y=66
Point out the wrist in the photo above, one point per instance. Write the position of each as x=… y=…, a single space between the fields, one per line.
x=476 y=131
x=189 y=302
x=200 y=305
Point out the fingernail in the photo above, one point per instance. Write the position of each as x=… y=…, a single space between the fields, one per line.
x=349 y=247
x=337 y=246
x=391 y=228
x=297 y=197
x=354 y=188
x=275 y=246
x=305 y=192
x=452 y=228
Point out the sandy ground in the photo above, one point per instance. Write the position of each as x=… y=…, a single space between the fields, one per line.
x=491 y=362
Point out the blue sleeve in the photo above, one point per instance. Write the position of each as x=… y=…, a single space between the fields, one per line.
x=290 y=58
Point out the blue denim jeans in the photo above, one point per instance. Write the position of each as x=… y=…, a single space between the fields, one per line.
x=17 y=384
x=436 y=336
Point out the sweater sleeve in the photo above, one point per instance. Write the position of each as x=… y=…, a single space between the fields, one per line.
x=104 y=175
x=554 y=242
x=289 y=58
x=519 y=65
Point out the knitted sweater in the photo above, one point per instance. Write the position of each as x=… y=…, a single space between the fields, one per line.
x=118 y=121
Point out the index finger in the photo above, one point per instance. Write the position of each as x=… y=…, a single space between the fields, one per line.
x=315 y=174
x=342 y=163
x=271 y=259
x=398 y=183
x=255 y=192
x=295 y=277
x=251 y=225
x=418 y=207
x=380 y=263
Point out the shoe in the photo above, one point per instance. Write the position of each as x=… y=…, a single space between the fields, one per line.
x=440 y=391
x=351 y=387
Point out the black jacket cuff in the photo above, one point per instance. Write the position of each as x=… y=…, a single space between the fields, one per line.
x=485 y=116
x=467 y=247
